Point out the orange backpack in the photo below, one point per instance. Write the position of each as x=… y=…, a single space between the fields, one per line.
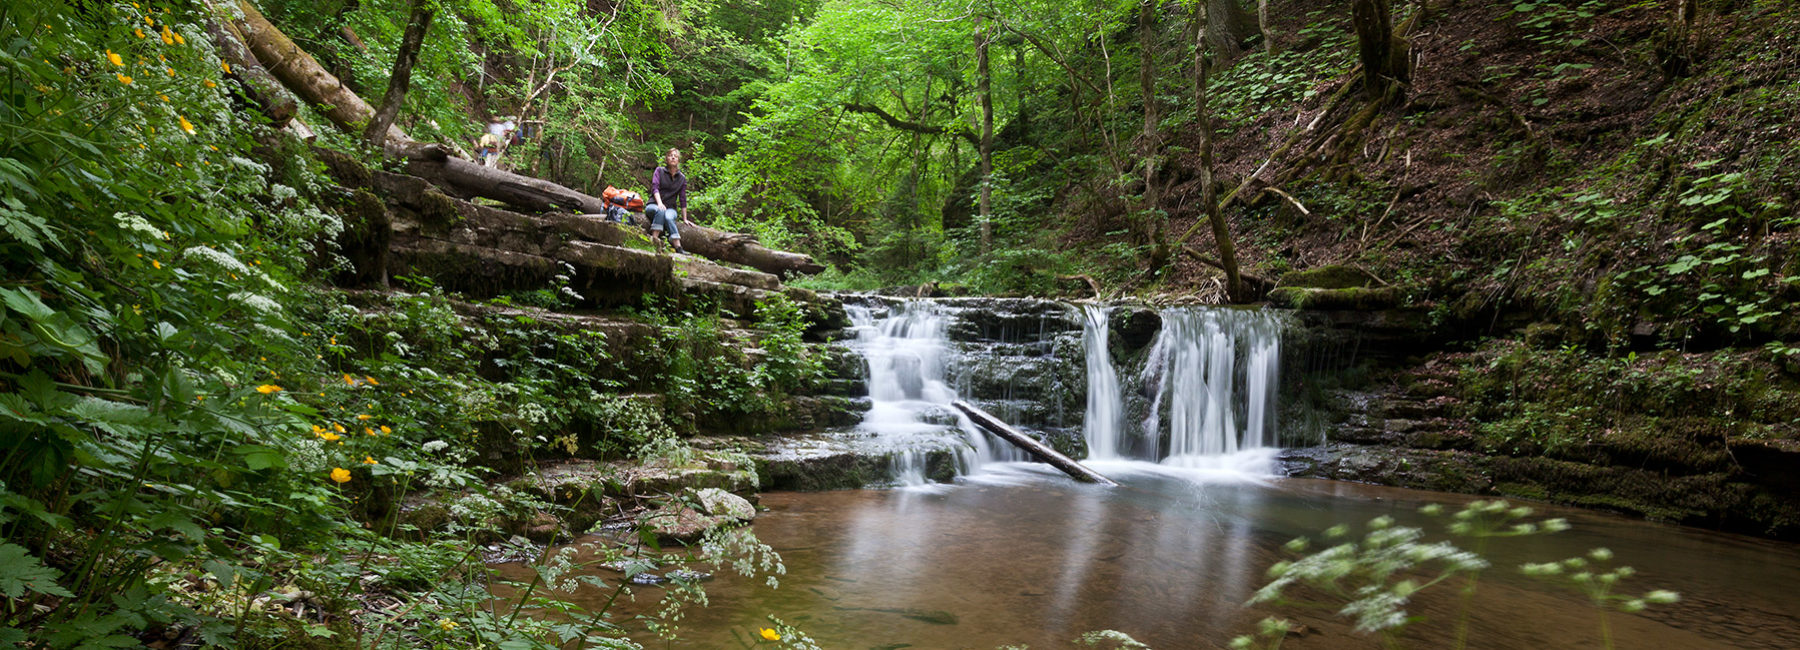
x=623 y=198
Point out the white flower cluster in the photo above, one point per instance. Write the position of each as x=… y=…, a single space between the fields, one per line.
x=282 y=192
x=221 y=259
x=256 y=303
x=133 y=223
x=436 y=446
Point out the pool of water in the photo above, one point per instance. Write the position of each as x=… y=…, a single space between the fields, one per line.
x=1019 y=555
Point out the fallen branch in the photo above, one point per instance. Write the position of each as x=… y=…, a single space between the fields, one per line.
x=1040 y=450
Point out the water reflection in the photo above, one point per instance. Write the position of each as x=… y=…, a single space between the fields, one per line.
x=1017 y=554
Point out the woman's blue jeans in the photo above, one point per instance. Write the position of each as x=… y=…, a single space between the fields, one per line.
x=662 y=219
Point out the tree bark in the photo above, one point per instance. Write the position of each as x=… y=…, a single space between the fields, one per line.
x=985 y=89
x=301 y=74
x=262 y=90
x=1209 y=191
x=1228 y=26
x=1151 y=140
x=912 y=127
x=1383 y=55
x=1037 y=449
x=417 y=24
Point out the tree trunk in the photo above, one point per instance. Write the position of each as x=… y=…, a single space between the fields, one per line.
x=301 y=74
x=1209 y=191
x=1228 y=26
x=416 y=26
x=262 y=90
x=1383 y=55
x=1262 y=25
x=467 y=179
x=1037 y=449
x=985 y=90
x=1151 y=144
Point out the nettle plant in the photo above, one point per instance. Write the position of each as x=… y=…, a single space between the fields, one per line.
x=1372 y=580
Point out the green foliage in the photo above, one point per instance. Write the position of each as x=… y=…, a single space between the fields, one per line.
x=1377 y=577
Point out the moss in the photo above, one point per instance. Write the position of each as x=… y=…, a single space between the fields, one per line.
x=1351 y=299
x=1330 y=276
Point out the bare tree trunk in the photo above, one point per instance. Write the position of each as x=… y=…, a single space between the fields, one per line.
x=1209 y=192
x=1227 y=27
x=1262 y=25
x=1151 y=142
x=300 y=73
x=260 y=88
x=1384 y=56
x=416 y=26
x=985 y=89
x=1037 y=449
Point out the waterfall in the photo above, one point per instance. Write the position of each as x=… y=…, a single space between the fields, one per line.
x=1195 y=364
x=909 y=410
x=1105 y=418
x=1212 y=375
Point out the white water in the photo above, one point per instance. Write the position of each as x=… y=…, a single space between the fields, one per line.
x=1105 y=418
x=910 y=410
x=1214 y=373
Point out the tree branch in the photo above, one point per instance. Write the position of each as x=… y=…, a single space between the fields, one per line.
x=913 y=127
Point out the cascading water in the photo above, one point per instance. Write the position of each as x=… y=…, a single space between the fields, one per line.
x=909 y=398
x=1212 y=374
x=1105 y=419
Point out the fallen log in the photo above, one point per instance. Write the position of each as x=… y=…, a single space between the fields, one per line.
x=297 y=70
x=469 y=179
x=1040 y=450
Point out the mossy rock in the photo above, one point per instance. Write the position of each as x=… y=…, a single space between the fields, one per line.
x=1330 y=276
x=1350 y=299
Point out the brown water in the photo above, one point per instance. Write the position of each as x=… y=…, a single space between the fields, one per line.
x=1019 y=556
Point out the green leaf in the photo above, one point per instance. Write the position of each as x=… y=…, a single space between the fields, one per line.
x=259 y=457
x=21 y=571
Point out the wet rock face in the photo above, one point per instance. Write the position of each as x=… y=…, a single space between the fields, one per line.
x=1133 y=328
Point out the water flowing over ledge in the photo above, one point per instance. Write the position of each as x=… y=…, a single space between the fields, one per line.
x=1200 y=396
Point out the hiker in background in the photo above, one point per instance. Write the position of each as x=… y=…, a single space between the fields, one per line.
x=488 y=149
x=668 y=188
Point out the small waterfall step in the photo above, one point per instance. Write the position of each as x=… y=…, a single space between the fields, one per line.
x=1040 y=450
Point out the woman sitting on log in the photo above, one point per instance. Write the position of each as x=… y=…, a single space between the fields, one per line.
x=668 y=186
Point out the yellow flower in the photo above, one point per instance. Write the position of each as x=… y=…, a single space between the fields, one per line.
x=156 y=264
x=138 y=32
x=162 y=97
x=329 y=436
x=148 y=21
x=267 y=388
x=115 y=59
x=369 y=431
x=318 y=429
x=348 y=380
x=371 y=380
x=770 y=634
x=385 y=430
x=369 y=460
x=340 y=475
x=186 y=125
x=446 y=624
x=179 y=40
x=124 y=79
x=168 y=37
x=171 y=71
x=199 y=398
x=209 y=84
x=364 y=416
x=338 y=427
x=226 y=66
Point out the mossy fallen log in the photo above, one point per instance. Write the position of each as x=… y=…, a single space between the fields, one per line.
x=1037 y=449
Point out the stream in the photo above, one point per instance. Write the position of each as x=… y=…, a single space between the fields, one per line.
x=1019 y=554
x=1186 y=416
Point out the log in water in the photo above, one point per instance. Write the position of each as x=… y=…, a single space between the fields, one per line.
x=1040 y=450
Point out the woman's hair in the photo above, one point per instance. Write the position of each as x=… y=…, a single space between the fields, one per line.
x=672 y=152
